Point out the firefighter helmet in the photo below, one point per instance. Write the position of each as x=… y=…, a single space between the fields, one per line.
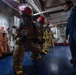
x=25 y=9
x=41 y=19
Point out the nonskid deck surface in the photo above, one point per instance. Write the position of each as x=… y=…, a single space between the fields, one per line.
x=55 y=62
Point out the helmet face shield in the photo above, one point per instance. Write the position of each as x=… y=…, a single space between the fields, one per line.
x=25 y=9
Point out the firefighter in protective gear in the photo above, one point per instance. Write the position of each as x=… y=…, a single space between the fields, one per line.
x=26 y=38
x=40 y=23
x=47 y=33
x=45 y=43
x=5 y=43
x=47 y=30
x=2 y=51
x=50 y=37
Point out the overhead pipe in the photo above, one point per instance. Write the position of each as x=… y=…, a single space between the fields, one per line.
x=54 y=9
x=9 y=4
x=33 y=5
x=51 y=10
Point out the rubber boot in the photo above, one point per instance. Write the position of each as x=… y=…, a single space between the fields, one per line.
x=43 y=52
x=18 y=70
x=35 y=56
